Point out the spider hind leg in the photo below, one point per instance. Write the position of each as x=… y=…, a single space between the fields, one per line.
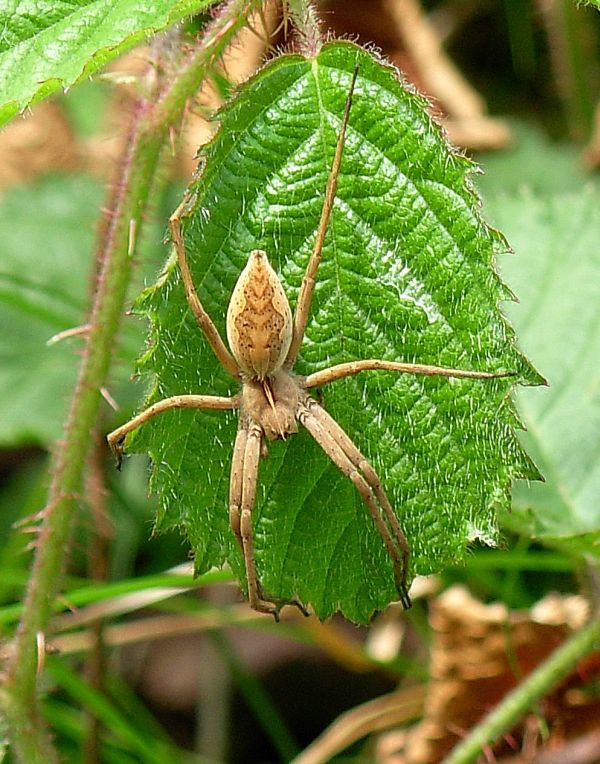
x=346 y=456
x=247 y=451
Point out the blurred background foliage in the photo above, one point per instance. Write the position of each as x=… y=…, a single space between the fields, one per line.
x=182 y=670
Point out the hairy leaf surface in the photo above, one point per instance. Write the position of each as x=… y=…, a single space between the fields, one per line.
x=407 y=274
x=46 y=46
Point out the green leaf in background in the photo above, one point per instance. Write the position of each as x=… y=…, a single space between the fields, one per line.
x=47 y=232
x=556 y=273
x=50 y=46
x=532 y=161
x=407 y=274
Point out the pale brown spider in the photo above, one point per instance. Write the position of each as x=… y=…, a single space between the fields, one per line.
x=265 y=339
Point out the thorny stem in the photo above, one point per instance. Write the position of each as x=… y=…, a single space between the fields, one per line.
x=525 y=696
x=149 y=133
x=306 y=21
x=98 y=551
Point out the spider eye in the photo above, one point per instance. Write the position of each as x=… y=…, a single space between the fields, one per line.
x=259 y=319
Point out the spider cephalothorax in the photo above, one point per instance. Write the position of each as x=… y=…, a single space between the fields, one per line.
x=264 y=339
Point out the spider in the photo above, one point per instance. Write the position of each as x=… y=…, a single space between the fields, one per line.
x=264 y=340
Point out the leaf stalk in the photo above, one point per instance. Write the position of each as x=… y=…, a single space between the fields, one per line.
x=306 y=21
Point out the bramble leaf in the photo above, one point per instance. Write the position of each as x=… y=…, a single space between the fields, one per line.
x=556 y=275
x=407 y=274
x=47 y=46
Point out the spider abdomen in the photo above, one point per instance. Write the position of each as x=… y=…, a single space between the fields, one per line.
x=259 y=319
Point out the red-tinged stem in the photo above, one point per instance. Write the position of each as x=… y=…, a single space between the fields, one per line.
x=153 y=117
x=306 y=21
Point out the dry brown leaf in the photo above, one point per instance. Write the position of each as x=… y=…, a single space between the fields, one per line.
x=479 y=653
x=404 y=33
x=36 y=143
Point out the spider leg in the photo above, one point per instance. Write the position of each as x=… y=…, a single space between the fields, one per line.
x=242 y=493
x=215 y=402
x=347 y=457
x=342 y=370
x=236 y=480
x=204 y=320
x=308 y=282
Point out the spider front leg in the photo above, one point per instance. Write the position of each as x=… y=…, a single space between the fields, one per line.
x=342 y=370
x=204 y=320
x=308 y=282
x=346 y=456
x=215 y=402
x=242 y=494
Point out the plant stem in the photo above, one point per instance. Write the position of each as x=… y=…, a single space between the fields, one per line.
x=306 y=21
x=257 y=700
x=153 y=117
x=572 y=42
x=523 y=697
x=98 y=555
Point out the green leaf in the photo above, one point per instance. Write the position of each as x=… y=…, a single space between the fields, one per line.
x=47 y=46
x=407 y=274
x=47 y=234
x=556 y=275
x=535 y=162
x=141 y=743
